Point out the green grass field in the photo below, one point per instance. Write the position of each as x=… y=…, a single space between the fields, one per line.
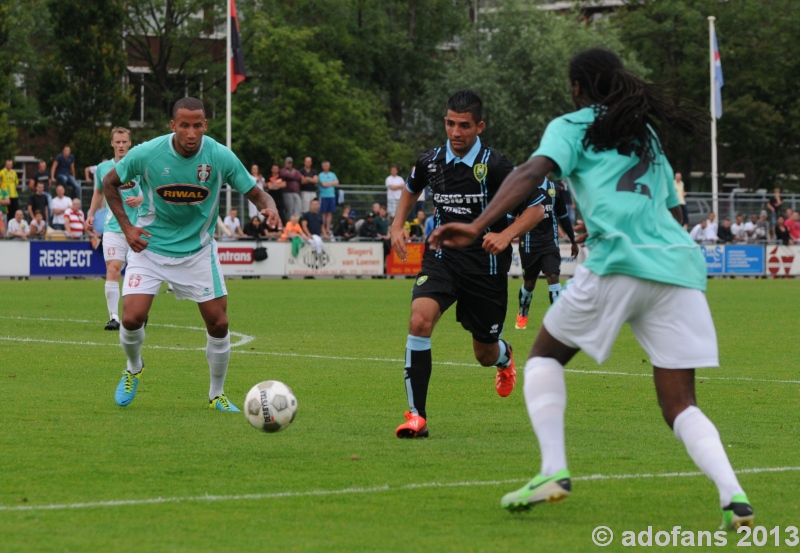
x=167 y=474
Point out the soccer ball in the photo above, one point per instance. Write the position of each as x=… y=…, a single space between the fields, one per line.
x=270 y=406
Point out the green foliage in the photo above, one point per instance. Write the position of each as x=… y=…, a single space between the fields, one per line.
x=295 y=103
x=81 y=91
x=8 y=135
x=757 y=133
x=517 y=60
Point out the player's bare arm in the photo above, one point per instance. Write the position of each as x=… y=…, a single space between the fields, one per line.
x=133 y=235
x=677 y=213
x=496 y=242
x=266 y=206
x=97 y=202
x=399 y=234
x=515 y=189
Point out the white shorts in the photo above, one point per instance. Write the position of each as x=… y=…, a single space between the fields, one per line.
x=673 y=324
x=197 y=277
x=115 y=247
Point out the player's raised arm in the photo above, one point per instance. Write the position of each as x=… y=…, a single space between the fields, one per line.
x=517 y=186
x=133 y=235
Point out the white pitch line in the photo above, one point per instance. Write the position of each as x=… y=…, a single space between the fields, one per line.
x=245 y=339
x=370 y=490
x=375 y=359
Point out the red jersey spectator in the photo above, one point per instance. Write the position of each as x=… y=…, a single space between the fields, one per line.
x=74 y=220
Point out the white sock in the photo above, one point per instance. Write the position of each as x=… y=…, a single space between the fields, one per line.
x=704 y=446
x=546 y=398
x=131 y=341
x=218 y=353
x=112 y=299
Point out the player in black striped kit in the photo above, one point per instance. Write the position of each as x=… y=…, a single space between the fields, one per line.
x=464 y=176
x=539 y=251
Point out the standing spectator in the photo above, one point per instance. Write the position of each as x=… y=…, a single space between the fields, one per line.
x=308 y=184
x=63 y=171
x=313 y=227
x=38 y=226
x=41 y=175
x=9 y=181
x=18 y=227
x=680 y=191
x=252 y=210
x=291 y=193
x=275 y=185
x=38 y=202
x=233 y=224
x=328 y=181
x=394 y=189
x=782 y=232
x=5 y=203
x=60 y=205
x=725 y=235
x=711 y=227
x=774 y=205
x=74 y=220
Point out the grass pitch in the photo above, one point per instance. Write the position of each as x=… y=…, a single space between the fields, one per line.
x=167 y=474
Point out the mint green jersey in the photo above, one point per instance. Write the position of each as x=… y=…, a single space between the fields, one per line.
x=129 y=188
x=624 y=202
x=181 y=195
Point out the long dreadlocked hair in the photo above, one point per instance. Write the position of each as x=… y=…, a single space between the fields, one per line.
x=625 y=105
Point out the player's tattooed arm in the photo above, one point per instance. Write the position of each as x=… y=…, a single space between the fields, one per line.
x=266 y=205
x=133 y=235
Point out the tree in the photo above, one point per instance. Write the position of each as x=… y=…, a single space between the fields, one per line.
x=295 y=103
x=757 y=133
x=8 y=135
x=81 y=90
x=173 y=40
x=517 y=60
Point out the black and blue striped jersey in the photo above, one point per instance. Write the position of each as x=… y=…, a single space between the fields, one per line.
x=544 y=236
x=461 y=189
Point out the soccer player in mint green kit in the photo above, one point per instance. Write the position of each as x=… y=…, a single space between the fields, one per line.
x=181 y=177
x=115 y=247
x=642 y=269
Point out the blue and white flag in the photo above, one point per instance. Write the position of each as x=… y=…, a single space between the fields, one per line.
x=718 y=81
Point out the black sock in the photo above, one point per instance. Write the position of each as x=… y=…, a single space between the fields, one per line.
x=418 y=370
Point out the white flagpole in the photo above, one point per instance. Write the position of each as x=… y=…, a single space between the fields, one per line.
x=228 y=78
x=712 y=69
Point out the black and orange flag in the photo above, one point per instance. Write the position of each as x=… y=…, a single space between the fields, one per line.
x=237 y=54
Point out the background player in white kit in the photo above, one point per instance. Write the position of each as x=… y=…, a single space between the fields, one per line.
x=115 y=246
x=182 y=175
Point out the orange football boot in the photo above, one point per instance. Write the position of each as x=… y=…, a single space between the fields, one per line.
x=522 y=322
x=506 y=378
x=415 y=427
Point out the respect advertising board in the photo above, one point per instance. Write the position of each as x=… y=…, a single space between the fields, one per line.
x=336 y=259
x=66 y=259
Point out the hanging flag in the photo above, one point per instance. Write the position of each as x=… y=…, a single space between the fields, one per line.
x=718 y=81
x=237 y=54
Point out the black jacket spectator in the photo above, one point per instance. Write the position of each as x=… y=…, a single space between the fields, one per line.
x=345 y=228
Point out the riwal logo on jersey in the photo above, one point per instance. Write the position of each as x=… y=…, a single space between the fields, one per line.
x=128 y=185
x=480 y=171
x=203 y=172
x=183 y=193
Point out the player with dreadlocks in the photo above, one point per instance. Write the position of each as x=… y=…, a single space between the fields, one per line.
x=642 y=269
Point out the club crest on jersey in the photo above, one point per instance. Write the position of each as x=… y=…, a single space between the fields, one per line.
x=203 y=172
x=480 y=171
x=552 y=192
x=421 y=280
x=182 y=193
